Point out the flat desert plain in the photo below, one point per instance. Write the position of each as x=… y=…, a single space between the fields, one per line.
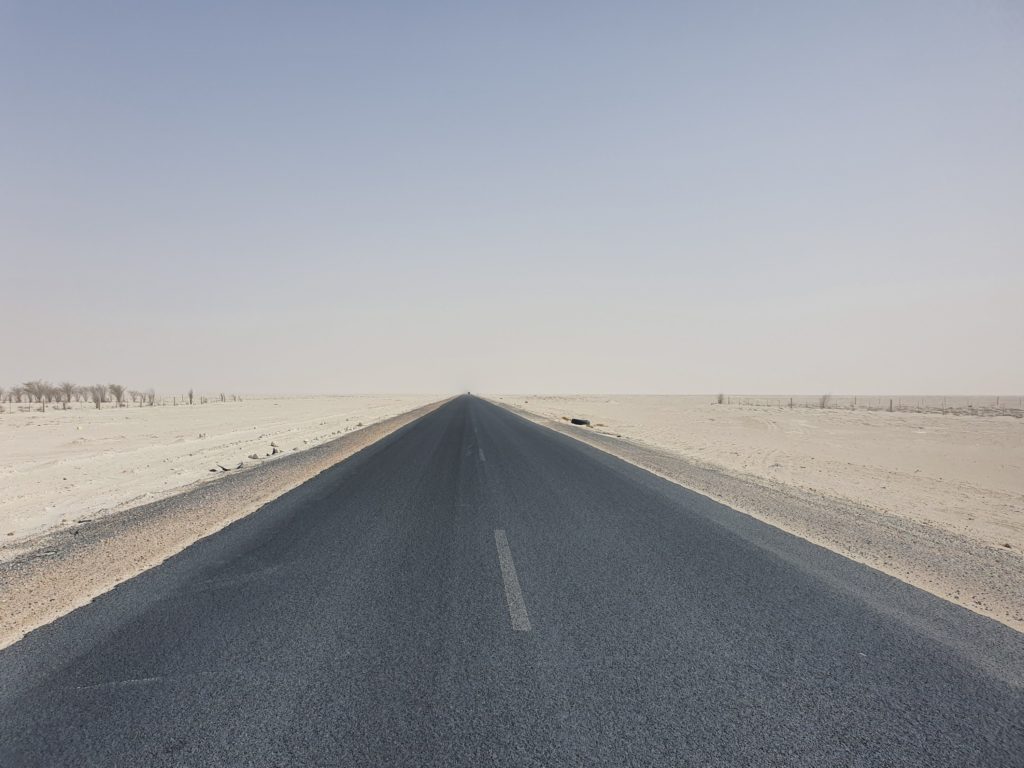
x=61 y=467
x=962 y=472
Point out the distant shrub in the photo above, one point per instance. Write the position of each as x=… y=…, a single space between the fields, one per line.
x=67 y=391
x=40 y=391
x=117 y=392
x=98 y=393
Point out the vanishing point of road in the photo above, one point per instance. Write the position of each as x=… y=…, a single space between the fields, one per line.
x=477 y=590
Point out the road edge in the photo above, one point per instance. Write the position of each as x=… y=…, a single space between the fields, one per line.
x=984 y=579
x=67 y=568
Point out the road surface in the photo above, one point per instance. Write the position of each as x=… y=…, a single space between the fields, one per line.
x=476 y=590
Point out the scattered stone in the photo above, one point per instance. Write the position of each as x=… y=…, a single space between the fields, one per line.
x=581 y=422
x=273 y=444
x=254 y=456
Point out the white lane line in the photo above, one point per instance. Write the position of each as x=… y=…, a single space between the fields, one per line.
x=481 y=454
x=119 y=683
x=513 y=594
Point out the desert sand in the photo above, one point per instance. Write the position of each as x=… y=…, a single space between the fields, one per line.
x=932 y=498
x=961 y=472
x=45 y=576
x=62 y=467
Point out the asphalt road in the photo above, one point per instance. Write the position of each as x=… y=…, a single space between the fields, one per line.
x=476 y=590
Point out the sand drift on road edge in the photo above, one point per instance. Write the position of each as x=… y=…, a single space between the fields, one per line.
x=69 y=567
x=978 y=575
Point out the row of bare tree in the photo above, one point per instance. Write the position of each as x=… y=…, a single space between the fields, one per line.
x=44 y=392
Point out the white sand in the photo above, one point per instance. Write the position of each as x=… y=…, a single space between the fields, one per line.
x=62 y=466
x=963 y=473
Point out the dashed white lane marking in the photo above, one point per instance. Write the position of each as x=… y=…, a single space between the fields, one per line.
x=481 y=450
x=119 y=683
x=513 y=593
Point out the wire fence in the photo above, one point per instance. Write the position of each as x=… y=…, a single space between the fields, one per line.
x=961 y=405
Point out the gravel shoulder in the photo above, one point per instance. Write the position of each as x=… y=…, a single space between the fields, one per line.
x=48 y=576
x=986 y=579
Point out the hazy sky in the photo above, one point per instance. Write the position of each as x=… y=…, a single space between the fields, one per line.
x=561 y=197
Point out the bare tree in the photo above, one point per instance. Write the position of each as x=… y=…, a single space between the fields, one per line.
x=824 y=400
x=150 y=397
x=721 y=398
x=98 y=393
x=117 y=392
x=36 y=390
x=190 y=397
x=67 y=389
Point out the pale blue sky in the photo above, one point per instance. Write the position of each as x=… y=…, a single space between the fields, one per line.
x=561 y=197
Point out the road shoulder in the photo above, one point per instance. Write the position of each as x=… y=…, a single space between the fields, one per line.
x=53 y=574
x=984 y=579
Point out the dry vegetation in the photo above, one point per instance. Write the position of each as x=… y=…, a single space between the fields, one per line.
x=39 y=394
x=958 y=405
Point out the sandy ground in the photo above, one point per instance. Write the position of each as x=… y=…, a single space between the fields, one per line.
x=46 y=576
x=930 y=499
x=61 y=467
x=963 y=473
